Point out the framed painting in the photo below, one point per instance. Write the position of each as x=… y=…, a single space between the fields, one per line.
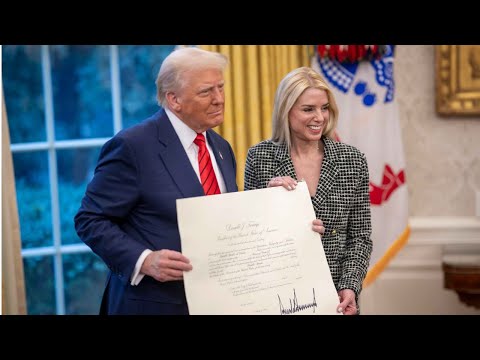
x=457 y=69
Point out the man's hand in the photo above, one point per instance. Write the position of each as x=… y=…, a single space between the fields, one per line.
x=166 y=265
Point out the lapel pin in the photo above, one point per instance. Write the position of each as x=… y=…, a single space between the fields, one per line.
x=220 y=155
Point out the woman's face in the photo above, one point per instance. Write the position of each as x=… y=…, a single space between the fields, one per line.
x=309 y=115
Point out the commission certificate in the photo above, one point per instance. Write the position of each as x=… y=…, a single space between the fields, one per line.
x=254 y=252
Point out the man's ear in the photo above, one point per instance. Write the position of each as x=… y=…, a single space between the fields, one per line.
x=173 y=101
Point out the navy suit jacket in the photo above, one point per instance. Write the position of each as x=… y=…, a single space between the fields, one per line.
x=130 y=206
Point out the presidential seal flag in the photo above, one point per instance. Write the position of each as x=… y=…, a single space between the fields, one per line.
x=361 y=77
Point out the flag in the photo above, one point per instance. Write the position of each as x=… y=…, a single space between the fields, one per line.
x=369 y=120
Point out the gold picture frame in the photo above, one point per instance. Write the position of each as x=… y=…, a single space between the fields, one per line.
x=457 y=79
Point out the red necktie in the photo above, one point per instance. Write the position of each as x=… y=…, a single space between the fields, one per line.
x=207 y=175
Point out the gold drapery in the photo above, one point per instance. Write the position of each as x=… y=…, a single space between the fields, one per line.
x=251 y=79
x=13 y=283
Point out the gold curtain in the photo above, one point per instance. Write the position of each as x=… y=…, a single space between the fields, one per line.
x=13 y=283
x=251 y=80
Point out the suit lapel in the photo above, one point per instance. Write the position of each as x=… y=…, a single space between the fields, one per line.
x=176 y=160
x=225 y=167
x=328 y=173
x=284 y=162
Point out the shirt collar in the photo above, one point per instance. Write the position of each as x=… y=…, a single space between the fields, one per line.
x=185 y=134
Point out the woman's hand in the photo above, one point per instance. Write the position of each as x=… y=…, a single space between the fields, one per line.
x=318 y=227
x=286 y=181
x=348 y=305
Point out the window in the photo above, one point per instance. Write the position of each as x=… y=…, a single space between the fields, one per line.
x=63 y=103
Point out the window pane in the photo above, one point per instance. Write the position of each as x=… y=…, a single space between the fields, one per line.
x=85 y=276
x=75 y=170
x=139 y=67
x=81 y=91
x=33 y=198
x=39 y=285
x=22 y=83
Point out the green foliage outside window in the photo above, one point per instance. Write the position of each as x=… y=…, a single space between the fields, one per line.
x=81 y=87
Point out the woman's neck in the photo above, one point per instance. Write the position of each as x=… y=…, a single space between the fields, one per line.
x=307 y=148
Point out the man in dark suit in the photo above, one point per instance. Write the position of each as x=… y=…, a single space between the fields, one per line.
x=128 y=214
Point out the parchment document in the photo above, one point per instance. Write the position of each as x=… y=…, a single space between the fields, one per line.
x=254 y=252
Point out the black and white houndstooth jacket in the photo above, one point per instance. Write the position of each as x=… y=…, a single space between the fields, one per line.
x=342 y=202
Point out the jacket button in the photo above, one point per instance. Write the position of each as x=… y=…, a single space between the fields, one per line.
x=334 y=231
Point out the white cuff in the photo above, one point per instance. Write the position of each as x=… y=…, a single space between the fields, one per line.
x=137 y=276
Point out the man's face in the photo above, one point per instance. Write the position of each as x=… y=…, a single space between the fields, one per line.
x=200 y=102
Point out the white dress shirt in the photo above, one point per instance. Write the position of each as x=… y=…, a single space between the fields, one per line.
x=186 y=136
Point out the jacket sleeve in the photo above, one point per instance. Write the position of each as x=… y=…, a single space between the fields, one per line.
x=250 y=176
x=358 y=246
x=109 y=198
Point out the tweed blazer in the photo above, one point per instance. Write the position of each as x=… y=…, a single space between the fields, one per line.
x=342 y=201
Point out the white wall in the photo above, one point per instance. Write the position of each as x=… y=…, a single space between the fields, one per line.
x=413 y=281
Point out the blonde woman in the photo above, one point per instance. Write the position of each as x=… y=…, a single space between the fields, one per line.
x=302 y=147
